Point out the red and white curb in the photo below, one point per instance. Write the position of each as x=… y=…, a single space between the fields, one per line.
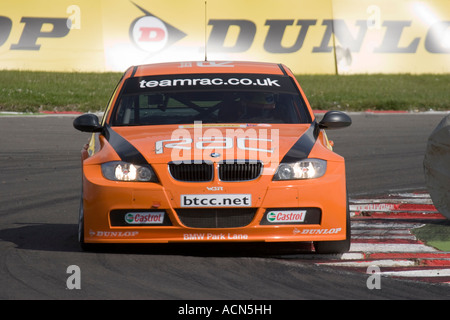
x=382 y=238
x=399 y=205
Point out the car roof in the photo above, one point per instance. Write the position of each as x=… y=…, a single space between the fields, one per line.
x=193 y=67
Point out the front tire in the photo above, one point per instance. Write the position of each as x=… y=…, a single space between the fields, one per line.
x=83 y=245
x=336 y=247
x=81 y=226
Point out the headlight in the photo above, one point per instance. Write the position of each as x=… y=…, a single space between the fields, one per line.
x=123 y=171
x=305 y=169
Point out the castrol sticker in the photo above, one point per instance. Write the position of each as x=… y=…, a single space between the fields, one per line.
x=144 y=217
x=277 y=216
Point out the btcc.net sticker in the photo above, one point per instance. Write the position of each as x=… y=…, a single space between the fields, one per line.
x=216 y=200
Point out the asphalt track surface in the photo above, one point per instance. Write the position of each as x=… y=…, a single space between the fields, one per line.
x=40 y=190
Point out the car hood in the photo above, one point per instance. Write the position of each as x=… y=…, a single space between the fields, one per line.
x=214 y=142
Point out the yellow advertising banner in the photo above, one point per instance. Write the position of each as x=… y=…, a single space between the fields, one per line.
x=310 y=37
x=179 y=30
x=140 y=32
x=62 y=35
x=384 y=36
x=275 y=31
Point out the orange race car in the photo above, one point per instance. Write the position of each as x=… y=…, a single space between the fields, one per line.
x=212 y=151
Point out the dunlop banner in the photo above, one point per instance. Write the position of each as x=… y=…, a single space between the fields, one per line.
x=51 y=35
x=384 y=36
x=311 y=37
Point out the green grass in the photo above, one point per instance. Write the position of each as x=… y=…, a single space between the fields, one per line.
x=435 y=235
x=378 y=92
x=22 y=91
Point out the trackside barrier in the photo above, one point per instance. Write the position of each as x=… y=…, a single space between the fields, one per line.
x=311 y=37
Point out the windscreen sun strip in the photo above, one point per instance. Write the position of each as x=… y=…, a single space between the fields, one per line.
x=196 y=82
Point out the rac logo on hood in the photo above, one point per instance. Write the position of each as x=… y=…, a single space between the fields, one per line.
x=152 y=34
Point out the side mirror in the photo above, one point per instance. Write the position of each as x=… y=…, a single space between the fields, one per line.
x=87 y=123
x=335 y=120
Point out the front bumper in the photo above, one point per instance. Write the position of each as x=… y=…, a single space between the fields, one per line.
x=322 y=201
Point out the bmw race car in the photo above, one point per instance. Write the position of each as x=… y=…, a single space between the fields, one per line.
x=212 y=152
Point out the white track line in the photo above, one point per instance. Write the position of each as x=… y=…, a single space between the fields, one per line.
x=392 y=201
x=370 y=263
x=426 y=273
x=380 y=232
x=390 y=247
x=367 y=237
x=385 y=225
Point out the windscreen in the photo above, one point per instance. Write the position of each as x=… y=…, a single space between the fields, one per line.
x=209 y=98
